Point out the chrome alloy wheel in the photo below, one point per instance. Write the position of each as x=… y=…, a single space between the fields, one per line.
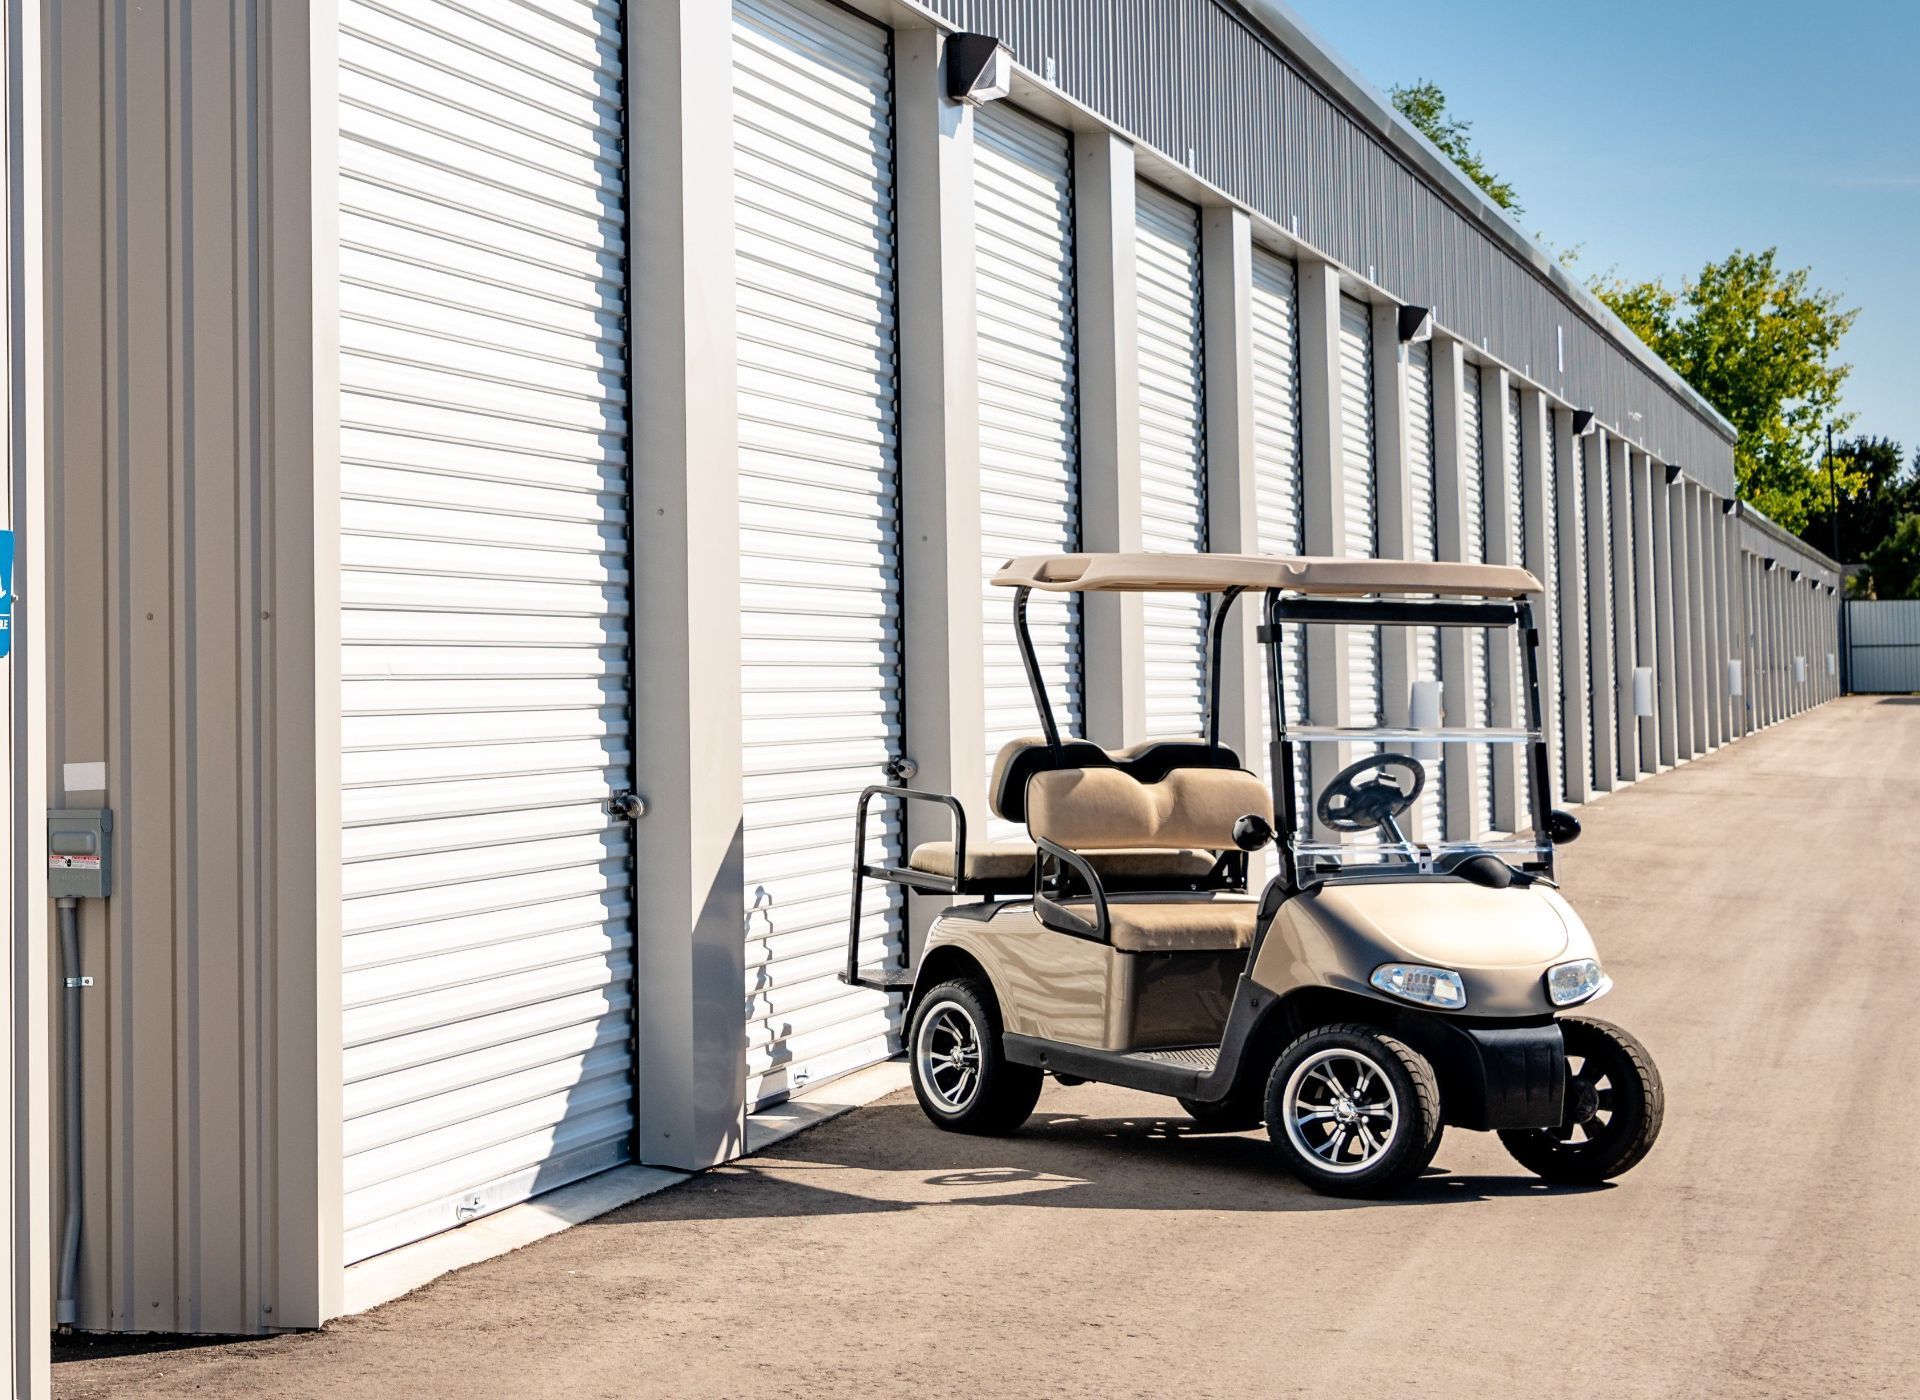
x=947 y=1056
x=1340 y=1110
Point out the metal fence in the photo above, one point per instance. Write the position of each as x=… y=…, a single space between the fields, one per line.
x=1883 y=647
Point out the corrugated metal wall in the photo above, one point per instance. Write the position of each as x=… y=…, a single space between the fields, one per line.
x=1883 y=640
x=26 y=1311
x=191 y=515
x=1202 y=76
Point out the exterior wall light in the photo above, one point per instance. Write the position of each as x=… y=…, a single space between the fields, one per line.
x=1794 y=574
x=1582 y=422
x=1673 y=475
x=1416 y=324
x=1772 y=564
x=1729 y=506
x=979 y=69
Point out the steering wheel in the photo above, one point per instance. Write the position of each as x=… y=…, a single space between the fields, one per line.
x=1348 y=805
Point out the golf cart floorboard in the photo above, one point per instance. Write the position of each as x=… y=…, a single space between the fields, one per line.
x=1176 y=1070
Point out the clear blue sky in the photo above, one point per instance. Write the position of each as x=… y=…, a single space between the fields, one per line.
x=1660 y=136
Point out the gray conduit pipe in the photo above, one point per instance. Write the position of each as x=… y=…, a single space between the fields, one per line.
x=63 y=1308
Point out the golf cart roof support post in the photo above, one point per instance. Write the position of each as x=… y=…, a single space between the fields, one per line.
x=1216 y=639
x=1024 y=635
x=1537 y=747
x=1279 y=751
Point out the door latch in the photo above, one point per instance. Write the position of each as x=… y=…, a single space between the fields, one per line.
x=901 y=770
x=628 y=806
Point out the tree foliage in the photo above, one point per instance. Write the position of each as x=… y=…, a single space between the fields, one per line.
x=1893 y=565
x=1875 y=487
x=1425 y=106
x=1759 y=344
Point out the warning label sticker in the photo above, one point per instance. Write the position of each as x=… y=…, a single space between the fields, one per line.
x=73 y=862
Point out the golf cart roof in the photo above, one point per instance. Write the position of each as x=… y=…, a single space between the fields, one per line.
x=1216 y=573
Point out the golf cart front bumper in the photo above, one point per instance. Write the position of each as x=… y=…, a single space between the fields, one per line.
x=1496 y=1076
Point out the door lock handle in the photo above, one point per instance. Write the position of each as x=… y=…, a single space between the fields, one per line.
x=628 y=806
x=901 y=770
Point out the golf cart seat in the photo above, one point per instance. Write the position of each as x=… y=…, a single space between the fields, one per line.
x=1076 y=815
x=1007 y=866
x=1176 y=923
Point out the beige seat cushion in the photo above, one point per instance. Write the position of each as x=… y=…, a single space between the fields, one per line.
x=1176 y=923
x=1104 y=809
x=1013 y=860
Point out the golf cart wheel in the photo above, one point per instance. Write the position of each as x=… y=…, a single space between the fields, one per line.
x=1353 y=1111
x=963 y=1079
x=1614 y=1107
x=1236 y=1113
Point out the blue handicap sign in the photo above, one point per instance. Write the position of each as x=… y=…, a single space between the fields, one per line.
x=6 y=593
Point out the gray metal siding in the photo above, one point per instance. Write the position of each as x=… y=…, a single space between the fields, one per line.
x=1884 y=642
x=1203 y=76
x=189 y=630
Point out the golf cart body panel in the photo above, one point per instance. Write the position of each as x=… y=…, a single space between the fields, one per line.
x=1501 y=942
x=1128 y=942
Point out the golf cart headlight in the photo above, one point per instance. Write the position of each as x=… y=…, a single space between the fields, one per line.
x=1430 y=986
x=1575 y=982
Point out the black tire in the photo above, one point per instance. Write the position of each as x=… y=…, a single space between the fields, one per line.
x=1312 y=1077
x=1242 y=1109
x=999 y=1095
x=1615 y=1105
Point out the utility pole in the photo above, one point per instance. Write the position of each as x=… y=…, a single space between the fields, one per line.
x=1833 y=499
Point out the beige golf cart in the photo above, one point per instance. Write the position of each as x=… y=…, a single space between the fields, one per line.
x=1376 y=988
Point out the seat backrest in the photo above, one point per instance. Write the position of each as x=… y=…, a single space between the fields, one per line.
x=1020 y=759
x=1108 y=809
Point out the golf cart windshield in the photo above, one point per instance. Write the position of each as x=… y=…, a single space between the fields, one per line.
x=1378 y=767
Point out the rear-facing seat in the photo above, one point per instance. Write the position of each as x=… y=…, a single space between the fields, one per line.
x=1008 y=865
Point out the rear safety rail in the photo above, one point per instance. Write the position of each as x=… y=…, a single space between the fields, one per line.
x=900 y=976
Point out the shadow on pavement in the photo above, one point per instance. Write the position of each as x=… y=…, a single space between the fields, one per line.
x=888 y=1158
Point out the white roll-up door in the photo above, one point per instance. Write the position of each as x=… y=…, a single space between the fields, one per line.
x=1516 y=491
x=1550 y=685
x=1422 y=483
x=1359 y=478
x=819 y=522
x=1173 y=452
x=487 y=910
x=1580 y=627
x=1275 y=327
x=1473 y=474
x=1602 y=540
x=1029 y=409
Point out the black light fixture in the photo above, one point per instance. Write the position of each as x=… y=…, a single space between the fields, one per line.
x=979 y=68
x=1794 y=574
x=1772 y=564
x=1729 y=506
x=1582 y=422
x=1416 y=324
x=1673 y=475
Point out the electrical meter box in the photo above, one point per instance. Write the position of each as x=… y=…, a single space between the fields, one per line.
x=79 y=853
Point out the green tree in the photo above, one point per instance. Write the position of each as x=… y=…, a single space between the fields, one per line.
x=1894 y=564
x=1425 y=106
x=1876 y=487
x=1759 y=344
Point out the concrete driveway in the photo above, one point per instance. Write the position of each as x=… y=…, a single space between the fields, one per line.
x=1759 y=910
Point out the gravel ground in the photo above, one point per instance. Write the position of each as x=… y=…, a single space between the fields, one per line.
x=1758 y=910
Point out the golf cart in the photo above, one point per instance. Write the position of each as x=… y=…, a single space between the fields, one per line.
x=1376 y=988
